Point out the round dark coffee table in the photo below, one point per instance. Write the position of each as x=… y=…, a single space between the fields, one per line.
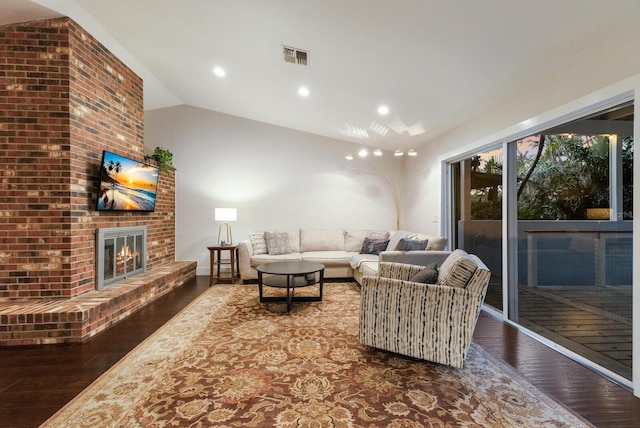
x=290 y=275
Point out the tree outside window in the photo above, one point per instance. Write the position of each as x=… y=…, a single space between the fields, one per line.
x=560 y=177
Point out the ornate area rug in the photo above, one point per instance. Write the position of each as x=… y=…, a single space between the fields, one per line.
x=228 y=361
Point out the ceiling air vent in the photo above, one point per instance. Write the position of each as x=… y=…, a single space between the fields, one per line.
x=295 y=56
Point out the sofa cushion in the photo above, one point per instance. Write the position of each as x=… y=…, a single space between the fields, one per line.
x=277 y=243
x=369 y=267
x=258 y=243
x=412 y=245
x=374 y=246
x=435 y=243
x=353 y=239
x=321 y=240
x=457 y=269
x=428 y=275
x=266 y=258
x=327 y=258
x=357 y=259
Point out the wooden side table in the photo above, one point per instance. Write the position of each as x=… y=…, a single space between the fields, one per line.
x=215 y=260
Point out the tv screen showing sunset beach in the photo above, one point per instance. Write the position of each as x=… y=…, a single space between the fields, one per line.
x=126 y=184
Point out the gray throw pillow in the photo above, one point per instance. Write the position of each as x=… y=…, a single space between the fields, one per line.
x=428 y=275
x=394 y=239
x=277 y=243
x=374 y=246
x=412 y=244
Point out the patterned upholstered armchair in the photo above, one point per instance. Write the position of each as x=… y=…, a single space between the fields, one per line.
x=434 y=322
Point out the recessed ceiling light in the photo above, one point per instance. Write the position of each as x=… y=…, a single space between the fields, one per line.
x=412 y=152
x=377 y=152
x=363 y=153
x=303 y=92
x=349 y=157
x=383 y=110
x=398 y=153
x=219 y=71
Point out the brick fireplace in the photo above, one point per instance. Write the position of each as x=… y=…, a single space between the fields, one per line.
x=64 y=98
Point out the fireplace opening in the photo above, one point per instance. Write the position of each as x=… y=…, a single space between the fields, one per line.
x=121 y=253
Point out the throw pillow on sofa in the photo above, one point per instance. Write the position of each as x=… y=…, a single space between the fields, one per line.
x=374 y=246
x=394 y=239
x=258 y=243
x=277 y=243
x=428 y=275
x=435 y=243
x=412 y=244
x=457 y=269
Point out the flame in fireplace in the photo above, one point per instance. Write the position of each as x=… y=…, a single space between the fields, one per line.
x=125 y=254
x=127 y=260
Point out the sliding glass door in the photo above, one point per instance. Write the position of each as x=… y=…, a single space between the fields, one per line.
x=569 y=193
x=477 y=211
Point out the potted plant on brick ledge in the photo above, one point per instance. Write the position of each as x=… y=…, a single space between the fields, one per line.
x=164 y=158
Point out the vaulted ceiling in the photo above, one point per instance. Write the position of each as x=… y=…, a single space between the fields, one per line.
x=434 y=63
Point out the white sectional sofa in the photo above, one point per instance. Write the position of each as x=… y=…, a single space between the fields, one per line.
x=339 y=250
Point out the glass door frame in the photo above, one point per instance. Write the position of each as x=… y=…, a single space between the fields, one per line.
x=510 y=224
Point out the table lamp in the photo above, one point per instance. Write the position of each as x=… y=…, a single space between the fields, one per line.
x=225 y=215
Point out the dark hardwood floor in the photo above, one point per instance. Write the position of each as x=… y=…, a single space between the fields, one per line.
x=593 y=321
x=600 y=401
x=36 y=381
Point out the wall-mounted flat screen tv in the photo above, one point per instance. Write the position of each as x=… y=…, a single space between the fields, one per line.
x=126 y=184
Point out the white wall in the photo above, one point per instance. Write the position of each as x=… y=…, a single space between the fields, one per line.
x=276 y=177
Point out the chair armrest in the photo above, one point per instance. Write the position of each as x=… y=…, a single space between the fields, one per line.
x=400 y=271
x=246 y=247
x=422 y=257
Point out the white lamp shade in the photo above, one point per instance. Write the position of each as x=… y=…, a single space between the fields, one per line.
x=226 y=214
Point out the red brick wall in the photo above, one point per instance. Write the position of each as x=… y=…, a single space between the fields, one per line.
x=64 y=98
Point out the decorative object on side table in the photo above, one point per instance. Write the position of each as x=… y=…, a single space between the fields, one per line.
x=225 y=215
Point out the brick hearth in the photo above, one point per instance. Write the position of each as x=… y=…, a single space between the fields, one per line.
x=80 y=318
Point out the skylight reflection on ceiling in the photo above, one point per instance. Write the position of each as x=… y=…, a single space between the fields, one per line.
x=354 y=131
x=379 y=128
x=397 y=125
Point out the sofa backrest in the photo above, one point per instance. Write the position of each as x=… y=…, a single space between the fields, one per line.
x=301 y=240
x=353 y=240
x=321 y=240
